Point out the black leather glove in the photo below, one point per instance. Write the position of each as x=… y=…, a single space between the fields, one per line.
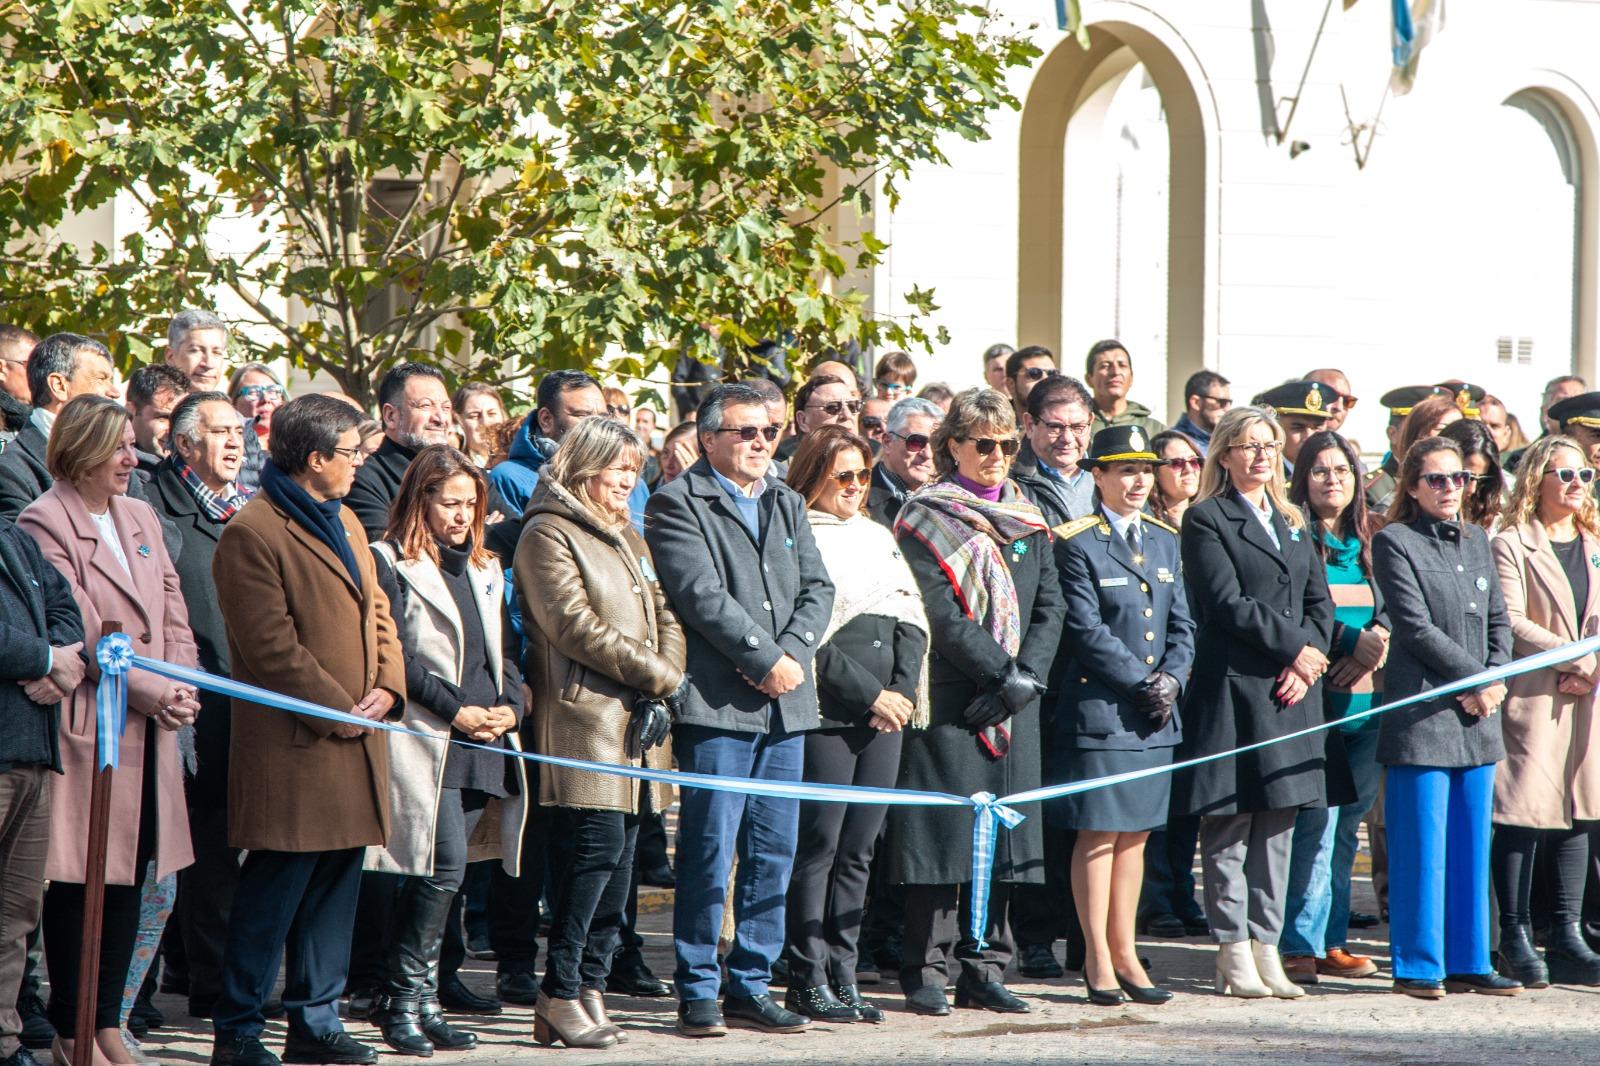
x=674 y=699
x=1017 y=687
x=649 y=726
x=1157 y=697
x=986 y=711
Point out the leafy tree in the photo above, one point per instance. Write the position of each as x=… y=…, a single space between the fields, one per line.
x=510 y=182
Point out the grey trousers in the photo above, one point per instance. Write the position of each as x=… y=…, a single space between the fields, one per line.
x=1245 y=861
x=24 y=843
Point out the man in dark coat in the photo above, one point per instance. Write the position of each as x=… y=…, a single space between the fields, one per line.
x=194 y=489
x=414 y=406
x=153 y=391
x=1055 y=433
x=16 y=400
x=738 y=562
x=906 y=462
x=61 y=367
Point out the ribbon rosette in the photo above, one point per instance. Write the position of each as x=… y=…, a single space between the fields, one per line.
x=114 y=653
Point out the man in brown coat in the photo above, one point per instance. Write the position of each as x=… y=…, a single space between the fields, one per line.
x=305 y=618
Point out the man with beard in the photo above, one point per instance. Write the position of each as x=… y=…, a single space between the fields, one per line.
x=414 y=406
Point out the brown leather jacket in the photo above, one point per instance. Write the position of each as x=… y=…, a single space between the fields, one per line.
x=599 y=631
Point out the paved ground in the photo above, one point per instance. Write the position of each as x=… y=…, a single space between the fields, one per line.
x=1352 y=1022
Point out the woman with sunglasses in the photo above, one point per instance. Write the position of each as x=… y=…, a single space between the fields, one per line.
x=1327 y=486
x=980 y=552
x=255 y=392
x=1480 y=458
x=870 y=669
x=1260 y=599
x=1438 y=579
x=1177 y=476
x=1547 y=793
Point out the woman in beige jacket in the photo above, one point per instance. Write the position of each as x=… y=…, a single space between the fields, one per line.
x=1548 y=792
x=604 y=652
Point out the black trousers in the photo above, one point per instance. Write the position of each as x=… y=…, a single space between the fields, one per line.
x=833 y=854
x=650 y=852
x=591 y=870
x=205 y=899
x=1515 y=854
x=514 y=901
x=1042 y=914
x=458 y=815
x=630 y=945
x=299 y=904
x=938 y=924
x=1169 y=871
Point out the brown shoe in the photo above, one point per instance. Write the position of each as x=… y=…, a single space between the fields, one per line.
x=1340 y=963
x=1302 y=969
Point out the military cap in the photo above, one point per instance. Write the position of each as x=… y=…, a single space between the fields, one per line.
x=1307 y=398
x=1467 y=396
x=1400 y=401
x=1120 y=444
x=1580 y=410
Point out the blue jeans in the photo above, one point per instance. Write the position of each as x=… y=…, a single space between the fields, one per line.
x=712 y=828
x=1318 y=916
x=1361 y=751
x=1438 y=821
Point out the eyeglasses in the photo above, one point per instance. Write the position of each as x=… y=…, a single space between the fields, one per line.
x=915 y=442
x=1346 y=399
x=1565 y=474
x=1259 y=448
x=355 y=455
x=870 y=423
x=1439 y=482
x=987 y=445
x=1222 y=402
x=1325 y=474
x=860 y=477
x=893 y=386
x=1038 y=373
x=261 y=392
x=618 y=410
x=1077 y=429
x=1191 y=463
x=748 y=433
x=833 y=407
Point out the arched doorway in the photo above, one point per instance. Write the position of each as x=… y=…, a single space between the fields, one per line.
x=1110 y=137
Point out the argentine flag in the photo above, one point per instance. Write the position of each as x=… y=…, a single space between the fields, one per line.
x=1415 y=24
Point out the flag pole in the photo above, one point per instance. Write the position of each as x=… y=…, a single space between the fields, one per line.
x=94 y=899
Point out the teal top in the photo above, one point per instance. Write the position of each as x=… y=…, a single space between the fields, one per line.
x=1354 y=608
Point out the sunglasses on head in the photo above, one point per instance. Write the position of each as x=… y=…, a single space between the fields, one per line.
x=1440 y=482
x=915 y=442
x=860 y=477
x=833 y=407
x=1038 y=373
x=987 y=445
x=871 y=422
x=1565 y=474
x=748 y=433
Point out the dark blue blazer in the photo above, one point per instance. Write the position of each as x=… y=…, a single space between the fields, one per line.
x=1126 y=619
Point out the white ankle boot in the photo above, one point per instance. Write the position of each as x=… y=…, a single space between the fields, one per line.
x=1269 y=966
x=1236 y=972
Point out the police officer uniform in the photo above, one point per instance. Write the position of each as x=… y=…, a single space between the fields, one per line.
x=1579 y=417
x=1382 y=483
x=1307 y=401
x=1127 y=621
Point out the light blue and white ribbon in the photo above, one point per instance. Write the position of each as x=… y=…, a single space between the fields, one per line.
x=115 y=656
x=987 y=811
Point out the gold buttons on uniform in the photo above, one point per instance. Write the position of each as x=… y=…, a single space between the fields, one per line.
x=1149 y=636
x=1144 y=586
x=1148 y=612
x=1149 y=659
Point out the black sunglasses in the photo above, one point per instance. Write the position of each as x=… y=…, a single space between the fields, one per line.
x=915 y=442
x=1565 y=474
x=987 y=445
x=870 y=422
x=1039 y=373
x=748 y=433
x=1440 y=482
x=833 y=407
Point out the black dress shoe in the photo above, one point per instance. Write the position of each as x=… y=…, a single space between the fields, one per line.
x=1106 y=997
x=927 y=1000
x=989 y=995
x=1196 y=926
x=1419 y=988
x=1144 y=995
x=519 y=988
x=637 y=980
x=455 y=996
x=820 y=1004
x=37 y=1032
x=361 y=1003
x=1485 y=984
x=1362 y=920
x=1166 y=926
x=701 y=1017
x=329 y=1049
x=144 y=1015
x=763 y=1013
x=659 y=877
x=242 y=1051
x=850 y=996
x=1039 y=962
x=867 y=973
x=20 y=1057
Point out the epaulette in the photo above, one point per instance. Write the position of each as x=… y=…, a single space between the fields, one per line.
x=1076 y=526
x=1375 y=475
x=1159 y=524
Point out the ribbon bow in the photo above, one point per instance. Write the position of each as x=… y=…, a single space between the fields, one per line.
x=114 y=653
x=987 y=811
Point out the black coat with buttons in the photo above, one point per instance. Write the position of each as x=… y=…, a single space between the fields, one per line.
x=1443 y=593
x=1256 y=606
x=868 y=654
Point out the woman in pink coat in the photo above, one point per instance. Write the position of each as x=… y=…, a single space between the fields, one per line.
x=110 y=551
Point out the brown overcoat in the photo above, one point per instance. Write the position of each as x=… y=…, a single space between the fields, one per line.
x=297 y=625
x=1551 y=772
x=599 y=630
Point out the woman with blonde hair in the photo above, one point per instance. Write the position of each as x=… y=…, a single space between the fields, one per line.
x=1264 y=614
x=605 y=658
x=1547 y=792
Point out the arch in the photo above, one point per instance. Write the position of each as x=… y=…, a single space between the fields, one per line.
x=1121 y=33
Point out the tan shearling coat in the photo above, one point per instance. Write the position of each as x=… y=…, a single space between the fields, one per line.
x=1551 y=772
x=599 y=630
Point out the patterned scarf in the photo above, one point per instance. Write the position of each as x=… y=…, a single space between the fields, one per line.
x=218 y=507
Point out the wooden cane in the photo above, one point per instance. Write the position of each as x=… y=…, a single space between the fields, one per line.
x=94 y=896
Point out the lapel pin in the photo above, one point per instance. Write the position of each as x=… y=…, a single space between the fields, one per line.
x=1482 y=583
x=788 y=542
x=144 y=551
x=1294 y=535
x=1595 y=558
x=1020 y=547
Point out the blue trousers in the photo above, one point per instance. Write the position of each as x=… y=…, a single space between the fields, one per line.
x=1438 y=820
x=713 y=827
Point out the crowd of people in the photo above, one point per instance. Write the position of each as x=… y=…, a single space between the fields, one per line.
x=1031 y=582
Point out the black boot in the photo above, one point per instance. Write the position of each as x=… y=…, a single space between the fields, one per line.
x=1519 y=959
x=1571 y=961
x=439 y=1032
x=415 y=938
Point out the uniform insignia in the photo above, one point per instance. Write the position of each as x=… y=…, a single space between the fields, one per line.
x=1113 y=582
x=1314 y=400
x=1464 y=399
x=1147 y=520
x=1075 y=526
x=1482 y=583
x=1135 y=440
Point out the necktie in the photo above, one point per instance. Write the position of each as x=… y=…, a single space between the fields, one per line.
x=1133 y=542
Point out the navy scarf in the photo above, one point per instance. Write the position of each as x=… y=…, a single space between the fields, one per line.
x=320 y=519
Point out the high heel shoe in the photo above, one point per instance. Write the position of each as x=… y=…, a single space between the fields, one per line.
x=1105 y=997
x=1144 y=995
x=1236 y=972
x=566 y=1020
x=594 y=1005
x=1269 y=965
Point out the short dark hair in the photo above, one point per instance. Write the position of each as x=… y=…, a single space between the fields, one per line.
x=1059 y=389
x=718 y=398
x=995 y=351
x=809 y=389
x=1201 y=382
x=1015 y=360
x=392 y=385
x=148 y=382
x=1099 y=348
x=556 y=382
x=57 y=354
x=307 y=426
x=896 y=366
